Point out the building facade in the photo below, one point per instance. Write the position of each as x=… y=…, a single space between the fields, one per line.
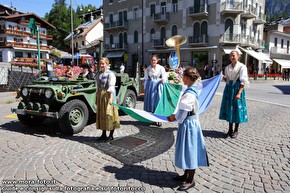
x=86 y=38
x=133 y=30
x=16 y=40
x=277 y=36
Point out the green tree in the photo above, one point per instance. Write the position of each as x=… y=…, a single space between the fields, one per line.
x=60 y=17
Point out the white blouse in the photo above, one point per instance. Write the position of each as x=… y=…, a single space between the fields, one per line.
x=157 y=72
x=239 y=71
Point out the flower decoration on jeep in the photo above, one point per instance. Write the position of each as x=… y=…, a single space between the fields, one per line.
x=175 y=75
x=67 y=71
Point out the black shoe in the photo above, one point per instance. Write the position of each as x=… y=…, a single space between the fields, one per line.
x=234 y=134
x=229 y=134
x=158 y=124
x=186 y=186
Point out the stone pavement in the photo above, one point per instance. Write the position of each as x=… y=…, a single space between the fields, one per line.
x=257 y=161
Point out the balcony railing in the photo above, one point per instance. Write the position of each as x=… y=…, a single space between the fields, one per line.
x=198 y=11
x=159 y=43
x=231 y=8
x=198 y=40
x=251 y=41
x=260 y=19
x=117 y=25
x=277 y=50
x=161 y=17
x=22 y=45
x=118 y=46
x=231 y=38
x=24 y=34
x=249 y=12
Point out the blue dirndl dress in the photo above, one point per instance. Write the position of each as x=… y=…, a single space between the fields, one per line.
x=233 y=111
x=190 y=150
x=153 y=93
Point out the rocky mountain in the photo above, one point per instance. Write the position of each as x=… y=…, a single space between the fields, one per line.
x=277 y=8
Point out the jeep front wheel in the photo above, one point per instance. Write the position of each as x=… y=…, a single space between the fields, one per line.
x=130 y=99
x=73 y=117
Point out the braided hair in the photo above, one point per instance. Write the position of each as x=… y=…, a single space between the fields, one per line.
x=192 y=73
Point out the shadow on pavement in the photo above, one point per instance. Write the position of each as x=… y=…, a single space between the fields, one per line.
x=213 y=134
x=284 y=88
x=155 y=141
x=142 y=174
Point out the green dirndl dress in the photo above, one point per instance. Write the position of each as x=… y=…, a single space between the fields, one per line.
x=233 y=111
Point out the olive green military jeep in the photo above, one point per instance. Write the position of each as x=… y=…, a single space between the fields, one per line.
x=71 y=102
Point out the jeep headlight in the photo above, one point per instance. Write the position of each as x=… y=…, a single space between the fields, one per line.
x=48 y=93
x=24 y=92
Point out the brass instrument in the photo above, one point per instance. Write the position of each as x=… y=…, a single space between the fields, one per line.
x=175 y=41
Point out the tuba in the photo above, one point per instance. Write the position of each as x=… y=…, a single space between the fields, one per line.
x=175 y=41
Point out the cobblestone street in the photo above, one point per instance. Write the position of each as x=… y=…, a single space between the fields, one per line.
x=257 y=161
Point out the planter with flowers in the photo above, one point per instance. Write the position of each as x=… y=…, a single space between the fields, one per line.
x=175 y=75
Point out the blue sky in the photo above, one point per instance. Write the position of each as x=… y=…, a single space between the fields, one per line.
x=40 y=7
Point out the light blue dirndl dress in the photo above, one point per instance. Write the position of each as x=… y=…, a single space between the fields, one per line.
x=190 y=149
x=234 y=111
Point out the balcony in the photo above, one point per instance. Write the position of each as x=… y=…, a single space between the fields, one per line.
x=19 y=33
x=120 y=25
x=201 y=11
x=22 y=45
x=232 y=38
x=159 y=43
x=249 y=12
x=260 y=19
x=198 y=40
x=161 y=17
x=276 y=50
x=116 y=47
x=235 y=8
x=250 y=41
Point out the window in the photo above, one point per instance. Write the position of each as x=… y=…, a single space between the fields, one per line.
x=135 y=37
x=174 y=30
x=163 y=35
x=125 y=13
x=174 y=6
x=125 y=38
x=110 y=1
x=135 y=13
x=111 y=18
x=275 y=42
x=288 y=47
x=152 y=34
x=120 y=40
x=196 y=32
x=282 y=42
x=152 y=10
x=111 y=39
x=83 y=43
x=163 y=8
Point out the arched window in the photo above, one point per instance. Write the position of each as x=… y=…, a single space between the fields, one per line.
x=135 y=37
x=229 y=29
x=125 y=38
x=111 y=39
x=152 y=34
x=120 y=40
x=196 y=32
x=174 y=30
x=163 y=35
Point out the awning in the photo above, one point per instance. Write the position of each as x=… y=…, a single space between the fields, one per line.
x=115 y=55
x=283 y=63
x=258 y=55
x=227 y=50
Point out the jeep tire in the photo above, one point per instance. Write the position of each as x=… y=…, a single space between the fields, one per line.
x=73 y=117
x=130 y=99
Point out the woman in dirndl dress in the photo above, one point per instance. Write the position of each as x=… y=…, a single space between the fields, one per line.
x=154 y=76
x=190 y=149
x=107 y=113
x=233 y=107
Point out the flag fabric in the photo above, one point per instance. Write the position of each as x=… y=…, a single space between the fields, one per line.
x=170 y=97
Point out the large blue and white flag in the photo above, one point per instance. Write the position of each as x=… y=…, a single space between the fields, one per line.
x=170 y=97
